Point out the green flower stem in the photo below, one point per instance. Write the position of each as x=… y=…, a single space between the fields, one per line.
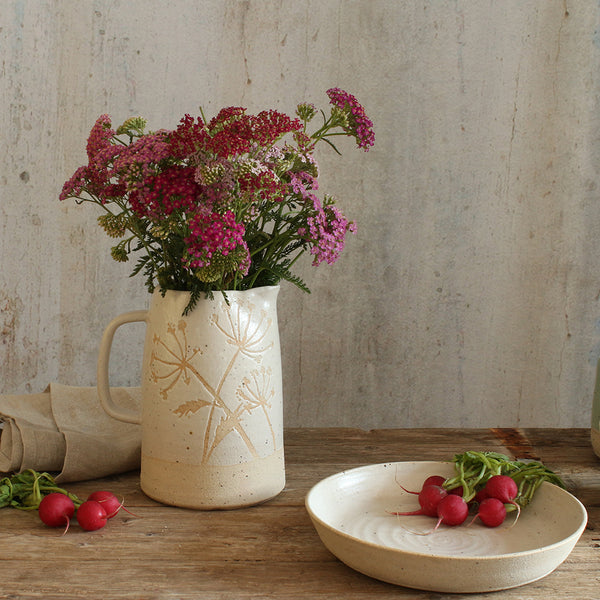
x=327 y=125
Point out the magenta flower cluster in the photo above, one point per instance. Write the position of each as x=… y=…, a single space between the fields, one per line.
x=215 y=235
x=359 y=125
x=328 y=227
x=221 y=204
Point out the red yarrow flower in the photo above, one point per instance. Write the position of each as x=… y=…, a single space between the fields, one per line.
x=75 y=185
x=233 y=132
x=262 y=186
x=270 y=125
x=97 y=176
x=174 y=189
x=188 y=138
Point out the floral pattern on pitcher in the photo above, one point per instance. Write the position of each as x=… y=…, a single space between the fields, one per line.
x=174 y=363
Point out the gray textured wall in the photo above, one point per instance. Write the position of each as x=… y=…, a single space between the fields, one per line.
x=469 y=296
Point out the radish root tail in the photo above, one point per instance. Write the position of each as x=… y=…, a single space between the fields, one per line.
x=517 y=517
x=67 y=527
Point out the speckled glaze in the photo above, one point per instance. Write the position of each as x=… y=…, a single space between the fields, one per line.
x=212 y=410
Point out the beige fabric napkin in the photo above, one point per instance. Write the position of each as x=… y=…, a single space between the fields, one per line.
x=64 y=430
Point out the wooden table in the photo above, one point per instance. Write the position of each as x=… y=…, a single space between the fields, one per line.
x=272 y=550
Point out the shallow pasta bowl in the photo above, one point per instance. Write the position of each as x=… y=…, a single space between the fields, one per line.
x=351 y=514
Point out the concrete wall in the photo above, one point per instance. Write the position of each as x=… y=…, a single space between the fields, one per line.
x=469 y=296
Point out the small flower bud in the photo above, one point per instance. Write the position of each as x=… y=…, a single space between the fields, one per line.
x=306 y=111
x=132 y=126
x=119 y=254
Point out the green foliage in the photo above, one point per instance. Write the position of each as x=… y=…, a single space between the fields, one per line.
x=25 y=490
x=473 y=469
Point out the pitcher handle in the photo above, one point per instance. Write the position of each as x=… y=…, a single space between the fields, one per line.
x=121 y=414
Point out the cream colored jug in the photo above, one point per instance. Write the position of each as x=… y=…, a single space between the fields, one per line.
x=212 y=408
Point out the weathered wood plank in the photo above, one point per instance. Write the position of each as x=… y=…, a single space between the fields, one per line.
x=271 y=550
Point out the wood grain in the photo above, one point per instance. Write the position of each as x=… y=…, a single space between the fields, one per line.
x=272 y=550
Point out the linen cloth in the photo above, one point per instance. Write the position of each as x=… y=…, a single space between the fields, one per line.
x=64 y=430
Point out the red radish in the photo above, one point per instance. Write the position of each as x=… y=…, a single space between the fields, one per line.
x=91 y=515
x=429 y=498
x=504 y=489
x=480 y=496
x=434 y=480
x=492 y=512
x=451 y=510
x=109 y=502
x=56 y=510
x=457 y=491
x=431 y=480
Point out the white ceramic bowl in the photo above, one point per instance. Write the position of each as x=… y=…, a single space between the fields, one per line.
x=350 y=511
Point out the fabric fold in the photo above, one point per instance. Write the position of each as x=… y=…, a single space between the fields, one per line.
x=65 y=431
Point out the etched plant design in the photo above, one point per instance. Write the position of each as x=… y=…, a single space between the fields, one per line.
x=172 y=365
x=256 y=392
x=176 y=359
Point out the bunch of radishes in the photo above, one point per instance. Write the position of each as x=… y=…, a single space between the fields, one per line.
x=57 y=509
x=488 y=481
x=451 y=508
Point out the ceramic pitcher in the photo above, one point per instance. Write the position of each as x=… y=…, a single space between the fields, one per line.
x=212 y=410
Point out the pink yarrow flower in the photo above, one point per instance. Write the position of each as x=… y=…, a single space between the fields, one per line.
x=97 y=176
x=100 y=137
x=301 y=183
x=326 y=232
x=360 y=126
x=142 y=158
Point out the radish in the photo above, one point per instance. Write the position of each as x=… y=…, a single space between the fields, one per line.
x=429 y=498
x=504 y=489
x=56 y=510
x=492 y=512
x=109 y=502
x=91 y=515
x=457 y=491
x=452 y=510
x=434 y=480
x=480 y=496
x=431 y=480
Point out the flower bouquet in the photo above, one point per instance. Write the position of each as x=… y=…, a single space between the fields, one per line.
x=222 y=204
